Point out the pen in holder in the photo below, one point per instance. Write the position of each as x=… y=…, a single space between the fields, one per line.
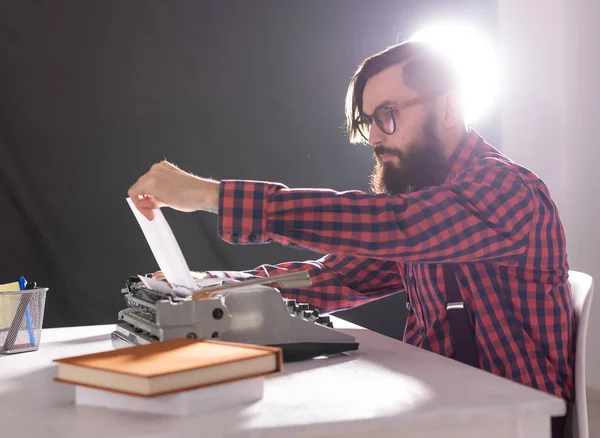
x=22 y=316
x=22 y=286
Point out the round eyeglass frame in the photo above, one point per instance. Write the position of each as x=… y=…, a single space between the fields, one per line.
x=387 y=110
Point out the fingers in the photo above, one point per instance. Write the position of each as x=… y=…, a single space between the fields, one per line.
x=158 y=275
x=199 y=275
x=138 y=189
x=141 y=198
x=154 y=187
x=148 y=213
x=144 y=204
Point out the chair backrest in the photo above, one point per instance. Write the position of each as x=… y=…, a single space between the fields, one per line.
x=582 y=288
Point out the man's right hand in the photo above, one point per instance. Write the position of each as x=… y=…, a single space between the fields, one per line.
x=166 y=185
x=158 y=275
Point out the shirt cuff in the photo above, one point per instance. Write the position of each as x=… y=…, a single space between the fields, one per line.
x=242 y=216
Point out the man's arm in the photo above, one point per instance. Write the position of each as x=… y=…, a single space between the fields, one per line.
x=338 y=282
x=484 y=215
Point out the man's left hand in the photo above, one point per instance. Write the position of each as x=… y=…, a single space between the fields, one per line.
x=165 y=185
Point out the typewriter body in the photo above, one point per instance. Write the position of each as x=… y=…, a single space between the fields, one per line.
x=247 y=311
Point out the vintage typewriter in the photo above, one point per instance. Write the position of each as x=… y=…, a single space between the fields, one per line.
x=247 y=311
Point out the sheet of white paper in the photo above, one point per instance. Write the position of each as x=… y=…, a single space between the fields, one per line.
x=157 y=285
x=165 y=248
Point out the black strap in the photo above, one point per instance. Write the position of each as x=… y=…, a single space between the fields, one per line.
x=461 y=332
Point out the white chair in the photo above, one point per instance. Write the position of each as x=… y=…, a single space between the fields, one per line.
x=582 y=288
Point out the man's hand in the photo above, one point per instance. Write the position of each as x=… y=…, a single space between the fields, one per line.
x=158 y=275
x=165 y=185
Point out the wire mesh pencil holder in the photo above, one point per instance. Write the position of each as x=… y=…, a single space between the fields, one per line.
x=21 y=320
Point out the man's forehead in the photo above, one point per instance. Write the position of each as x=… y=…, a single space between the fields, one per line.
x=386 y=86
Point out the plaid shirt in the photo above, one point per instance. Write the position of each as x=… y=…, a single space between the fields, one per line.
x=491 y=217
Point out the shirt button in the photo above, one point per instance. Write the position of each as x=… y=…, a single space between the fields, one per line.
x=421 y=330
x=251 y=238
x=413 y=281
x=408 y=307
x=235 y=237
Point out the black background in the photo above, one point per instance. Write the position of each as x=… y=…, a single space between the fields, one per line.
x=94 y=93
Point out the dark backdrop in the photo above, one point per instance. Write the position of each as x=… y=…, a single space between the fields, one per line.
x=94 y=93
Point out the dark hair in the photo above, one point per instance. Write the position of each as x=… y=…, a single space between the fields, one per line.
x=425 y=70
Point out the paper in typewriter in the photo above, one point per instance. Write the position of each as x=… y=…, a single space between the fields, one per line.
x=165 y=249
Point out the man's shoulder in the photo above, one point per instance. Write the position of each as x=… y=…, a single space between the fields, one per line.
x=492 y=161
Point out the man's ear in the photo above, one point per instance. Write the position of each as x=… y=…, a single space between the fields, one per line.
x=450 y=110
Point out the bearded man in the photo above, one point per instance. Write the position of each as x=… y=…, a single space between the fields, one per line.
x=474 y=239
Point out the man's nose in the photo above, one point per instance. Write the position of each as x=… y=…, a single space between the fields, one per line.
x=376 y=136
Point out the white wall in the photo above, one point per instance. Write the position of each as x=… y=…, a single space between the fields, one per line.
x=551 y=121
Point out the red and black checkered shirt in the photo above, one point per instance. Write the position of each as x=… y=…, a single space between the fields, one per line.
x=491 y=217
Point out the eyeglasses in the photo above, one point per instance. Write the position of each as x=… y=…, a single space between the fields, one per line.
x=384 y=117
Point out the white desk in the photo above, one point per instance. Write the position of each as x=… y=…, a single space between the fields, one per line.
x=385 y=389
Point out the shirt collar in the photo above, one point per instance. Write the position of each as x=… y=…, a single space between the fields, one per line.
x=466 y=150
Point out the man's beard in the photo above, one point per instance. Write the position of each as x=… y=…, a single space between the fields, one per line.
x=424 y=165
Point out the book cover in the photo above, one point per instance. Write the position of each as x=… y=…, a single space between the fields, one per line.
x=169 y=366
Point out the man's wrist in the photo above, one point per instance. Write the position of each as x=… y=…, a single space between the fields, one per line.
x=212 y=198
x=204 y=195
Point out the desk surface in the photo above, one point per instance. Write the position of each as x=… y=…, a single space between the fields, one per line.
x=385 y=385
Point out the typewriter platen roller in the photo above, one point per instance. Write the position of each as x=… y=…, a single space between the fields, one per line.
x=247 y=311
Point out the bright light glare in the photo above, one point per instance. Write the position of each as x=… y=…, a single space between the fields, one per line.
x=475 y=59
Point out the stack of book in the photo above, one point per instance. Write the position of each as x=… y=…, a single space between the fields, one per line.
x=176 y=377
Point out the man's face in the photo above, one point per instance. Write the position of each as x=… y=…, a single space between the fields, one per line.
x=412 y=157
